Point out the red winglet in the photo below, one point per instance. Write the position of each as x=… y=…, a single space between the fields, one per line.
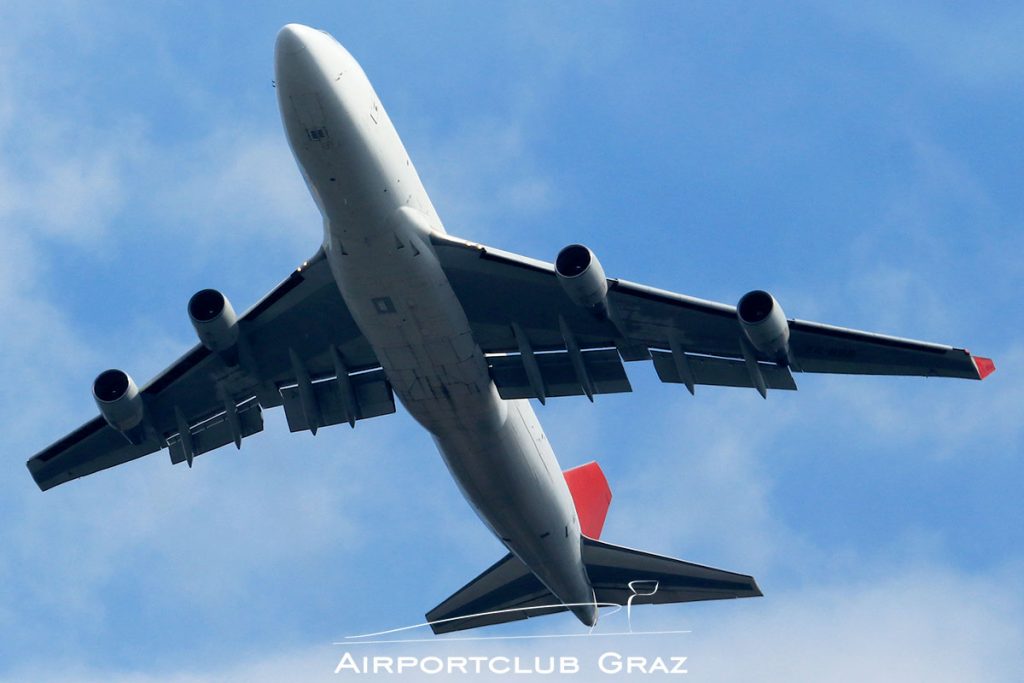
x=591 y=495
x=985 y=366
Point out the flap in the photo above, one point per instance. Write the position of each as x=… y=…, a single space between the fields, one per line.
x=372 y=397
x=722 y=372
x=218 y=431
x=603 y=366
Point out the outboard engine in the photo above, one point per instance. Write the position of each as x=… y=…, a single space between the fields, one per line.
x=120 y=403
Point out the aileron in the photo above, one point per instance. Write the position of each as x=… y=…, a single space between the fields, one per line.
x=830 y=349
x=722 y=372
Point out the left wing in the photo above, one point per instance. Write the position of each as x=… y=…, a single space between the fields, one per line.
x=297 y=347
x=542 y=339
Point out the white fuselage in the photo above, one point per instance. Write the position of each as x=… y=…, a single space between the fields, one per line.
x=377 y=225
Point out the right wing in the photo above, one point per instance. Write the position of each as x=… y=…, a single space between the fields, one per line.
x=541 y=344
x=298 y=346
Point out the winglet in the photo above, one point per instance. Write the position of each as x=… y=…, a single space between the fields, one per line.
x=985 y=366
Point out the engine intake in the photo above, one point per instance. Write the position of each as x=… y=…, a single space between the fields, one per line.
x=214 y=319
x=764 y=323
x=119 y=400
x=581 y=276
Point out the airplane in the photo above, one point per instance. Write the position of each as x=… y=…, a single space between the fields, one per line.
x=465 y=335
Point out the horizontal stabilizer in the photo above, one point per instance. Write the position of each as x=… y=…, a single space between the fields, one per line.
x=618 y=573
x=509 y=591
x=499 y=595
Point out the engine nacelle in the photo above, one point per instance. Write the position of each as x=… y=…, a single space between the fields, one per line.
x=118 y=399
x=581 y=276
x=764 y=323
x=214 y=319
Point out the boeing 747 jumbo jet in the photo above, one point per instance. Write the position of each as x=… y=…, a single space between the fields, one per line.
x=464 y=335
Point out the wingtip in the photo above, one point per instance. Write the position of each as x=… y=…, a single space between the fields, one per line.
x=984 y=366
x=33 y=466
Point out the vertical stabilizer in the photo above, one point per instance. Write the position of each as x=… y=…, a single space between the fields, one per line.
x=591 y=495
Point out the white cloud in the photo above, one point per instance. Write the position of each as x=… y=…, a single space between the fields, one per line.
x=701 y=481
x=236 y=185
x=975 y=46
x=482 y=175
x=485 y=173
x=916 y=623
x=698 y=477
x=62 y=182
x=937 y=418
x=71 y=198
x=63 y=186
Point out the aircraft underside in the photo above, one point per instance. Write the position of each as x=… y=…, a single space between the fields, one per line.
x=463 y=335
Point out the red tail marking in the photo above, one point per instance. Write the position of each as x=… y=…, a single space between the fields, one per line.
x=591 y=495
x=985 y=366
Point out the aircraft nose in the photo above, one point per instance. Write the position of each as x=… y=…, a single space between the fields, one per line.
x=291 y=40
x=295 y=57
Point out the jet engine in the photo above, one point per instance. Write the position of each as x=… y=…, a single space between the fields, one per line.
x=214 y=319
x=581 y=276
x=764 y=324
x=118 y=399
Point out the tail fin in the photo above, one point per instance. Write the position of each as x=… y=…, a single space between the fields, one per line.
x=509 y=591
x=591 y=495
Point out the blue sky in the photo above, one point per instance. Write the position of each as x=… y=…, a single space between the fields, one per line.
x=862 y=164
